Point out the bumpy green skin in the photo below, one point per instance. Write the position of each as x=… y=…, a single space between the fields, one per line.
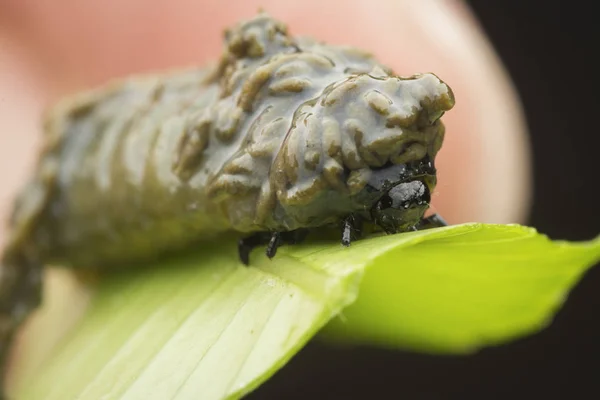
x=282 y=134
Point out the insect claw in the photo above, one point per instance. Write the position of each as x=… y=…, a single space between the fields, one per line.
x=247 y=244
x=274 y=243
x=346 y=234
x=273 y=240
x=244 y=252
x=351 y=229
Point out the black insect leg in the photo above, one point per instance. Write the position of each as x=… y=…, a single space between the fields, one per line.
x=351 y=229
x=433 y=221
x=247 y=244
x=274 y=244
x=273 y=240
x=280 y=238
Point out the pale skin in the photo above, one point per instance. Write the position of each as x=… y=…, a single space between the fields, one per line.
x=47 y=51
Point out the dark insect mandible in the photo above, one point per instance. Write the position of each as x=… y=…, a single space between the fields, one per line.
x=283 y=135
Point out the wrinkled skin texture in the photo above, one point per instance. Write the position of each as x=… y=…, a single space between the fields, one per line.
x=283 y=134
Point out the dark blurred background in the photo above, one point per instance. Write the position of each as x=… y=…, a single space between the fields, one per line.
x=550 y=50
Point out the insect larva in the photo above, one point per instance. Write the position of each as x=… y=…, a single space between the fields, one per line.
x=282 y=136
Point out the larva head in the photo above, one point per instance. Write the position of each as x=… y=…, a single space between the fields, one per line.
x=400 y=145
x=365 y=146
x=403 y=193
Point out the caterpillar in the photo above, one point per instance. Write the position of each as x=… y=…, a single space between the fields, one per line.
x=281 y=136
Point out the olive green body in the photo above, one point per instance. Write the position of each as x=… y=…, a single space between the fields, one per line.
x=282 y=134
x=113 y=195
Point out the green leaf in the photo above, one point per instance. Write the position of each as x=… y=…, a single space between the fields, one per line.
x=205 y=326
x=464 y=289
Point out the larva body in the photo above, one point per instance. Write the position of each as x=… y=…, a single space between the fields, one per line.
x=282 y=134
